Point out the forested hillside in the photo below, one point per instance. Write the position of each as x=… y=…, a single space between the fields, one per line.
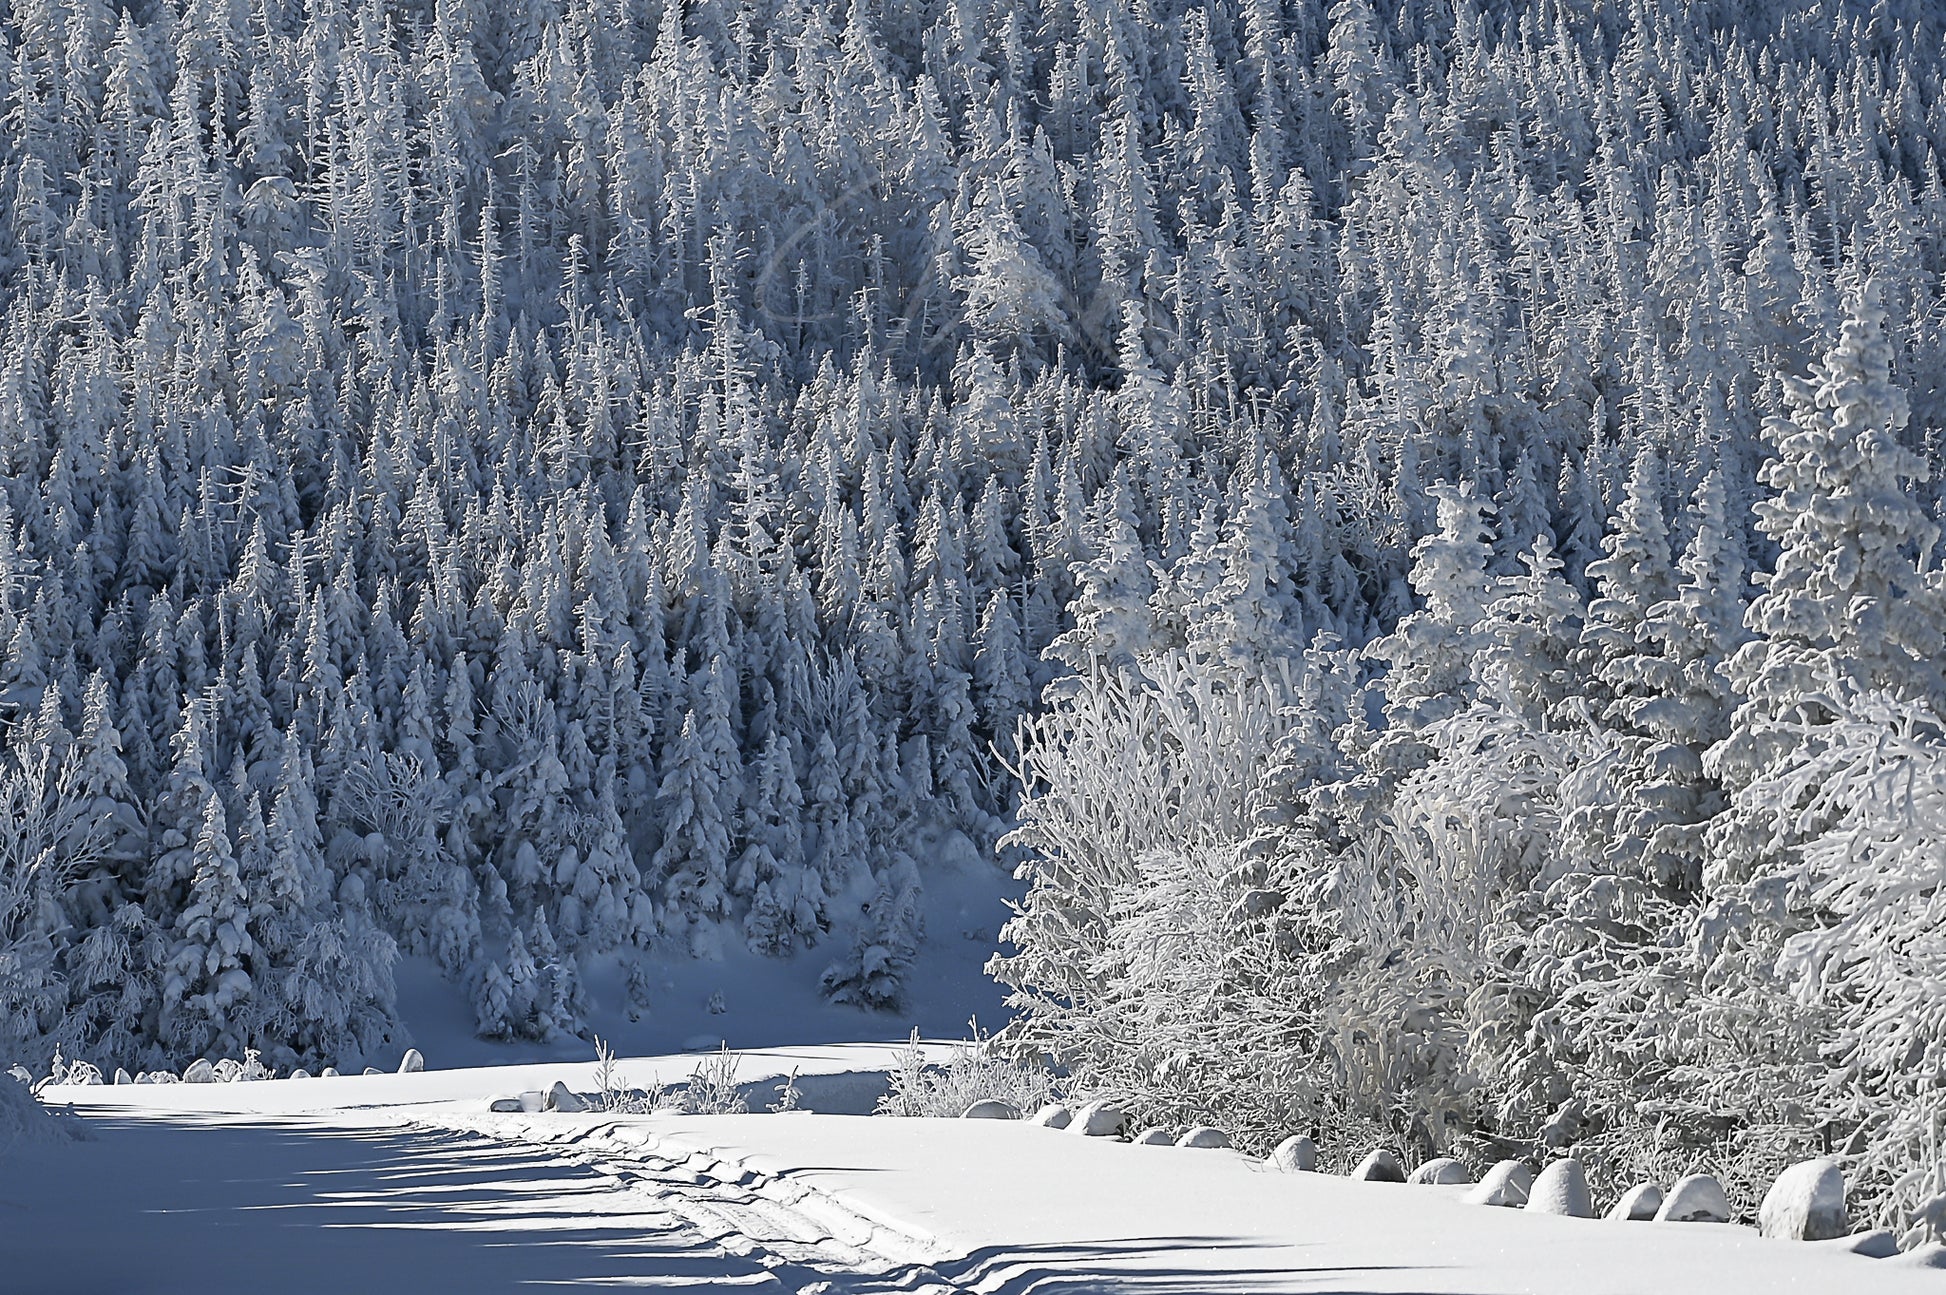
x=518 y=483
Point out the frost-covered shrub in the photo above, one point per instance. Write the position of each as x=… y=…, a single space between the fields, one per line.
x=713 y=1087
x=973 y=1073
x=613 y=1093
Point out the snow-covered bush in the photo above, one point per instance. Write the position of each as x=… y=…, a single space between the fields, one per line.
x=973 y=1073
x=613 y=1093
x=712 y=1088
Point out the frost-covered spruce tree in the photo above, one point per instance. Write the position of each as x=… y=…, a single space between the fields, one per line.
x=1693 y=635
x=1849 y=606
x=1429 y=656
x=1525 y=661
x=1634 y=574
x=207 y=989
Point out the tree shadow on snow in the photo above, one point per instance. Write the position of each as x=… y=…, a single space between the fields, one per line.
x=210 y=1204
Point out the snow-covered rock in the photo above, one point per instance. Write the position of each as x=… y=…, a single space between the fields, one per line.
x=1155 y=1137
x=1698 y=1198
x=1562 y=1188
x=373 y=1070
x=412 y=1063
x=991 y=1109
x=1806 y=1203
x=1098 y=1120
x=122 y=1077
x=199 y=1071
x=1052 y=1116
x=300 y=1073
x=1443 y=1172
x=1379 y=1166
x=561 y=1098
x=1507 y=1183
x=1638 y=1204
x=329 y=1072
x=1204 y=1136
x=1296 y=1154
x=506 y=1105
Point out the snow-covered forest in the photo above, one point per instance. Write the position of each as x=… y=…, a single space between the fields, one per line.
x=1413 y=524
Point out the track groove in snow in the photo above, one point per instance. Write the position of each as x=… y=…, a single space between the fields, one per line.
x=765 y=1216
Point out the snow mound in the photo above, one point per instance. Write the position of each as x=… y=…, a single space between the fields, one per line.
x=1379 y=1166
x=1098 y=1120
x=1698 y=1198
x=1442 y=1172
x=1052 y=1116
x=1204 y=1136
x=23 y=1120
x=1506 y=1184
x=1155 y=1137
x=561 y=1098
x=1882 y=1244
x=412 y=1063
x=1638 y=1204
x=1296 y=1154
x=1929 y=1255
x=1562 y=1188
x=1806 y=1203
x=991 y=1109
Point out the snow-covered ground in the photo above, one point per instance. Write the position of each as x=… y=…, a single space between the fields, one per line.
x=408 y=1182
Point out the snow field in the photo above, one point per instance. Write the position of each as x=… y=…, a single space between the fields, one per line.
x=808 y=1200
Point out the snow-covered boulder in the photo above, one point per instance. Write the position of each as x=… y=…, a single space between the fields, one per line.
x=329 y=1072
x=200 y=1071
x=1638 y=1204
x=1507 y=1183
x=505 y=1106
x=1155 y=1137
x=373 y=1070
x=1443 y=1172
x=991 y=1109
x=1052 y=1116
x=412 y=1063
x=1379 y=1166
x=1205 y=1137
x=1698 y=1198
x=1562 y=1188
x=1296 y=1154
x=1806 y=1203
x=560 y=1098
x=299 y=1073
x=122 y=1077
x=1098 y=1120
